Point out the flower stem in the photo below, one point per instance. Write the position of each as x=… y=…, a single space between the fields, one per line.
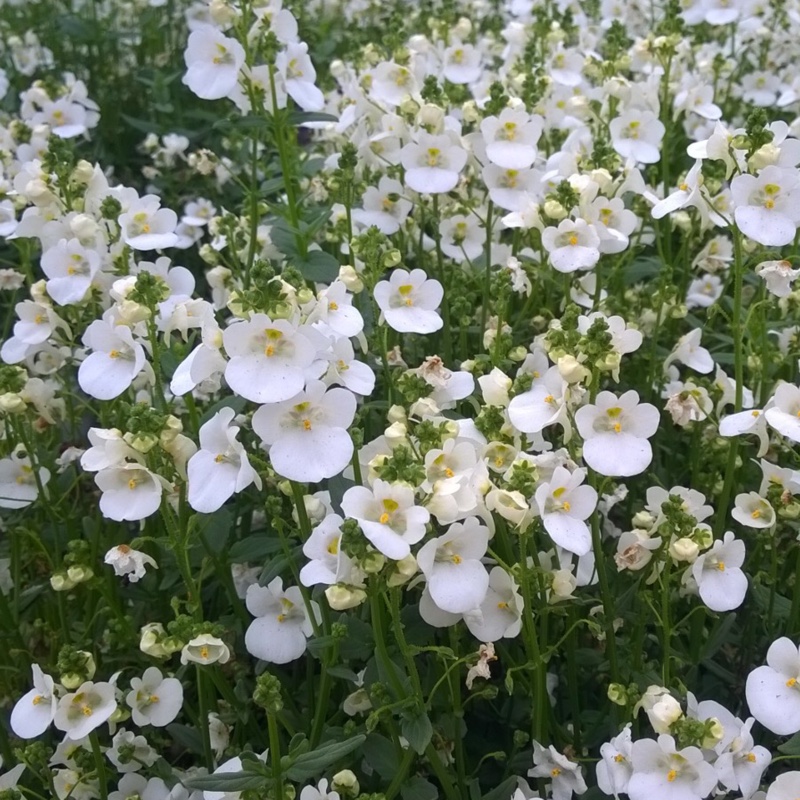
x=99 y=765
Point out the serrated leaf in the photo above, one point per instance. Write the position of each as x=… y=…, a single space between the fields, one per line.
x=417 y=729
x=227 y=782
x=311 y=765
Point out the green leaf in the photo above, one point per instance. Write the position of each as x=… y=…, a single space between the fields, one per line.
x=317 y=266
x=227 y=782
x=215 y=529
x=302 y=117
x=380 y=755
x=791 y=747
x=417 y=729
x=186 y=737
x=417 y=788
x=236 y=403
x=504 y=790
x=310 y=765
x=284 y=238
x=254 y=548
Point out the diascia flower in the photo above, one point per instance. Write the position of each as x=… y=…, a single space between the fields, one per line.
x=573 y=245
x=766 y=207
x=299 y=75
x=565 y=503
x=147 y=226
x=282 y=625
x=433 y=163
x=637 y=134
x=615 y=432
x=213 y=62
x=70 y=268
x=387 y=516
x=220 y=468
x=81 y=712
x=34 y=711
x=511 y=138
x=718 y=572
x=115 y=361
x=457 y=580
x=784 y=415
x=268 y=358
x=409 y=301
x=661 y=770
x=154 y=699
x=773 y=691
x=307 y=435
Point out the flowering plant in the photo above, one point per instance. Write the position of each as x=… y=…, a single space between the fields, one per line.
x=399 y=400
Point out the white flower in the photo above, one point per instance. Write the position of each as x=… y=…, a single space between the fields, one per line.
x=34 y=712
x=432 y=164
x=753 y=511
x=18 y=486
x=766 y=207
x=387 y=516
x=637 y=134
x=307 y=435
x=329 y=564
x=752 y=421
x=511 y=138
x=778 y=275
x=565 y=776
x=457 y=580
x=409 y=301
x=115 y=361
x=660 y=770
x=742 y=765
x=614 y=770
x=298 y=73
x=319 y=793
x=205 y=649
x=213 y=62
x=704 y=291
x=615 y=432
x=129 y=752
x=689 y=352
x=347 y=370
x=773 y=691
x=564 y=503
x=384 y=206
x=81 y=712
x=499 y=616
x=573 y=245
x=481 y=669
x=127 y=561
x=220 y=468
x=720 y=580
x=687 y=194
x=268 y=359
x=279 y=632
x=154 y=699
x=544 y=404
x=462 y=63
x=70 y=268
x=133 y=785
x=147 y=226
x=785 y=787
x=784 y=415
x=130 y=492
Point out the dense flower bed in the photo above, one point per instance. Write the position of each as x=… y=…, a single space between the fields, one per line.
x=399 y=399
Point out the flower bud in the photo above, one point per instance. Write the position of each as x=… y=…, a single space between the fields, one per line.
x=346 y=783
x=351 y=279
x=83 y=226
x=424 y=407
x=684 y=549
x=150 y=642
x=571 y=370
x=373 y=563
x=554 y=210
x=11 y=403
x=83 y=172
x=60 y=582
x=643 y=519
x=666 y=711
x=396 y=433
x=405 y=569
x=79 y=574
x=617 y=694
x=396 y=414
x=341 y=597
x=141 y=442
x=714 y=733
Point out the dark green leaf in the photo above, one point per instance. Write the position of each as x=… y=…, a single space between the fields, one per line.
x=311 y=765
x=317 y=266
x=302 y=117
x=418 y=730
x=417 y=788
x=379 y=753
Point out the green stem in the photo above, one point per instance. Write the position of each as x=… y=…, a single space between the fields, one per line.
x=99 y=765
x=202 y=722
x=275 y=754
